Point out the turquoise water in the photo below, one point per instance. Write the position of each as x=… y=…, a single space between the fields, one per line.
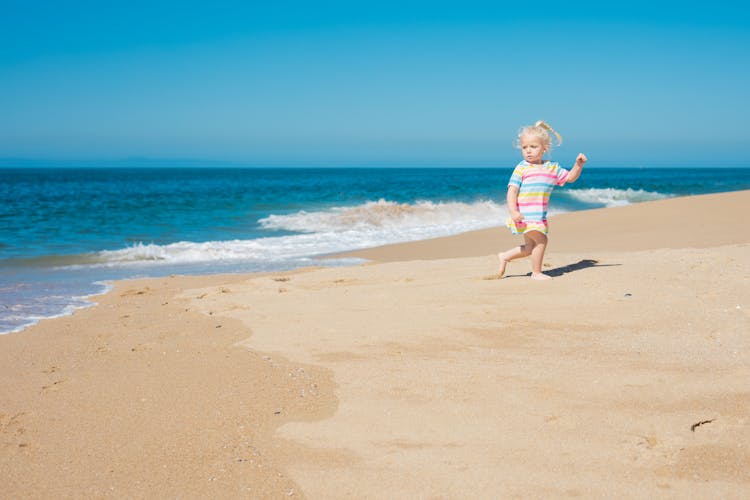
x=63 y=232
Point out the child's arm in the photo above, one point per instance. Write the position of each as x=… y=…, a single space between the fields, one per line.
x=512 y=199
x=575 y=172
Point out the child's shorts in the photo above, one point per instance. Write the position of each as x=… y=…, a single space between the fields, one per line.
x=524 y=226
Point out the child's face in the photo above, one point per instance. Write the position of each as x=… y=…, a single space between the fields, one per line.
x=532 y=149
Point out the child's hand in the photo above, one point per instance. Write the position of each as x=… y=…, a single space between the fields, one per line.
x=516 y=216
x=581 y=159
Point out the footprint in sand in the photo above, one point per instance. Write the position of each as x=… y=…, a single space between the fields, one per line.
x=11 y=426
x=11 y=423
x=46 y=388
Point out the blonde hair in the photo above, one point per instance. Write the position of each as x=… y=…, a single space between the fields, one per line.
x=540 y=129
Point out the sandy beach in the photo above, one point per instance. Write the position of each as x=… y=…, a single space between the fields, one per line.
x=416 y=375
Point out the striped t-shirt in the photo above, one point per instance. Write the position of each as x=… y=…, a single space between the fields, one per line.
x=535 y=183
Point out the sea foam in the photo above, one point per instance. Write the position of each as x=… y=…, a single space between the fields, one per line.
x=611 y=197
x=342 y=228
x=320 y=232
x=383 y=214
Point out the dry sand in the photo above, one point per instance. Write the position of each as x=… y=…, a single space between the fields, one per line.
x=628 y=375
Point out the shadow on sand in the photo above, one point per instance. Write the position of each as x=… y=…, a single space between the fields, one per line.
x=559 y=271
x=577 y=266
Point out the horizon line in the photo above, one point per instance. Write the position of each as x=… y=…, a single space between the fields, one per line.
x=146 y=162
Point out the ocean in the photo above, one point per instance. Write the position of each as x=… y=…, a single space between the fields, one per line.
x=66 y=232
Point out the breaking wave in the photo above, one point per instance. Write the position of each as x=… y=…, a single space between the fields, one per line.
x=321 y=232
x=610 y=197
x=383 y=215
x=344 y=228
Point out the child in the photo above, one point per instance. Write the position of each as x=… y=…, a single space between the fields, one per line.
x=528 y=195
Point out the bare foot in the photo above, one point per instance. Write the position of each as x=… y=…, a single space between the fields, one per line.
x=540 y=277
x=503 y=263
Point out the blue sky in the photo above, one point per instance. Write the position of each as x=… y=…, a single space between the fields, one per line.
x=637 y=83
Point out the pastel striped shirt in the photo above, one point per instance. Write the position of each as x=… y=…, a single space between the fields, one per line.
x=535 y=183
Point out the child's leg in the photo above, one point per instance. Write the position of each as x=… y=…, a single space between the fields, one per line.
x=537 y=254
x=514 y=253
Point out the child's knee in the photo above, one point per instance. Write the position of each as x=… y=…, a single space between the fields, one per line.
x=540 y=246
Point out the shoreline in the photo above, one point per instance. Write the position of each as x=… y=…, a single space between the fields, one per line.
x=567 y=228
x=417 y=376
x=494 y=239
